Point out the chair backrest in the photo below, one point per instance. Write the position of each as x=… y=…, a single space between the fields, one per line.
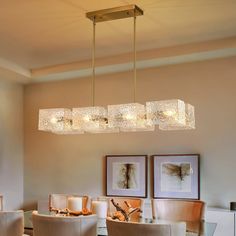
x=63 y=225
x=117 y=228
x=60 y=200
x=1 y=203
x=134 y=202
x=190 y=211
x=11 y=223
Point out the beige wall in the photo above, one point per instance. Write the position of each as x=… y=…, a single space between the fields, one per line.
x=11 y=144
x=76 y=163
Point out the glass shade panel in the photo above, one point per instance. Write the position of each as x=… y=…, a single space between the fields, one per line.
x=189 y=117
x=92 y=120
x=129 y=117
x=166 y=112
x=58 y=120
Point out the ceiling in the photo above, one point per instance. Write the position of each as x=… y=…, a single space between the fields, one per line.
x=36 y=34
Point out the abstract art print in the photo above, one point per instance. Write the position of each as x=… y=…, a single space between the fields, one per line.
x=126 y=175
x=176 y=176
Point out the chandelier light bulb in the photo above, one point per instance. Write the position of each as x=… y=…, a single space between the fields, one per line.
x=87 y=118
x=169 y=113
x=130 y=117
x=54 y=120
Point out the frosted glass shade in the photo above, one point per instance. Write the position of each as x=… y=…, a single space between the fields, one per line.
x=56 y=120
x=129 y=117
x=166 y=112
x=189 y=120
x=92 y=120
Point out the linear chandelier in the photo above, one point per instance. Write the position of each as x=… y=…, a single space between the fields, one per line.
x=172 y=114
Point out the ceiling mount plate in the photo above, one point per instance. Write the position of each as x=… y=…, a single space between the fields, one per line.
x=115 y=13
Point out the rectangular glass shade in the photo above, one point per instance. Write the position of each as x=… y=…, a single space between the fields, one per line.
x=166 y=112
x=92 y=120
x=190 y=120
x=56 y=120
x=129 y=117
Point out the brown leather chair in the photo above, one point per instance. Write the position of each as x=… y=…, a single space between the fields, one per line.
x=48 y=225
x=1 y=203
x=134 y=202
x=118 y=228
x=60 y=200
x=189 y=211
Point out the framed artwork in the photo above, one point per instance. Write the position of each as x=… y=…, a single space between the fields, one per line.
x=126 y=175
x=176 y=176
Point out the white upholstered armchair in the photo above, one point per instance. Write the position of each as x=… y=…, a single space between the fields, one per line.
x=46 y=225
x=11 y=223
x=118 y=228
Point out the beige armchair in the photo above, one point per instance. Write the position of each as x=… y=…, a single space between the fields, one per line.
x=60 y=200
x=189 y=211
x=118 y=228
x=63 y=225
x=11 y=223
x=1 y=203
x=135 y=202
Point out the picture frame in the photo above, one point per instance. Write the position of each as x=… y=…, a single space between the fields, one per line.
x=176 y=176
x=126 y=175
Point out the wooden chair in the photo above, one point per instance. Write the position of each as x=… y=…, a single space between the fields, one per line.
x=47 y=225
x=189 y=211
x=1 y=203
x=60 y=200
x=118 y=228
x=11 y=223
x=134 y=202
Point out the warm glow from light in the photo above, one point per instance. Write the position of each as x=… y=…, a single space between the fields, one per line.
x=130 y=117
x=87 y=118
x=54 y=120
x=169 y=113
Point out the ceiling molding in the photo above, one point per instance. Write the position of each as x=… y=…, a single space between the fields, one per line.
x=14 y=72
x=14 y=67
x=141 y=55
x=9 y=75
x=120 y=63
x=141 y=64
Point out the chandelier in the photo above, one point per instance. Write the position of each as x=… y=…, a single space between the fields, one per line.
x=172 y=114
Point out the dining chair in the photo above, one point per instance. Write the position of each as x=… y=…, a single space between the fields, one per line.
x=48 y=225
x=60 y=200
x=189 y=211
x=134 y=202
x=1 y=203
x=11 y=223
x=118 y=228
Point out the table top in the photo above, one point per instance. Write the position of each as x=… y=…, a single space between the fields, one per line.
x=206 y=228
